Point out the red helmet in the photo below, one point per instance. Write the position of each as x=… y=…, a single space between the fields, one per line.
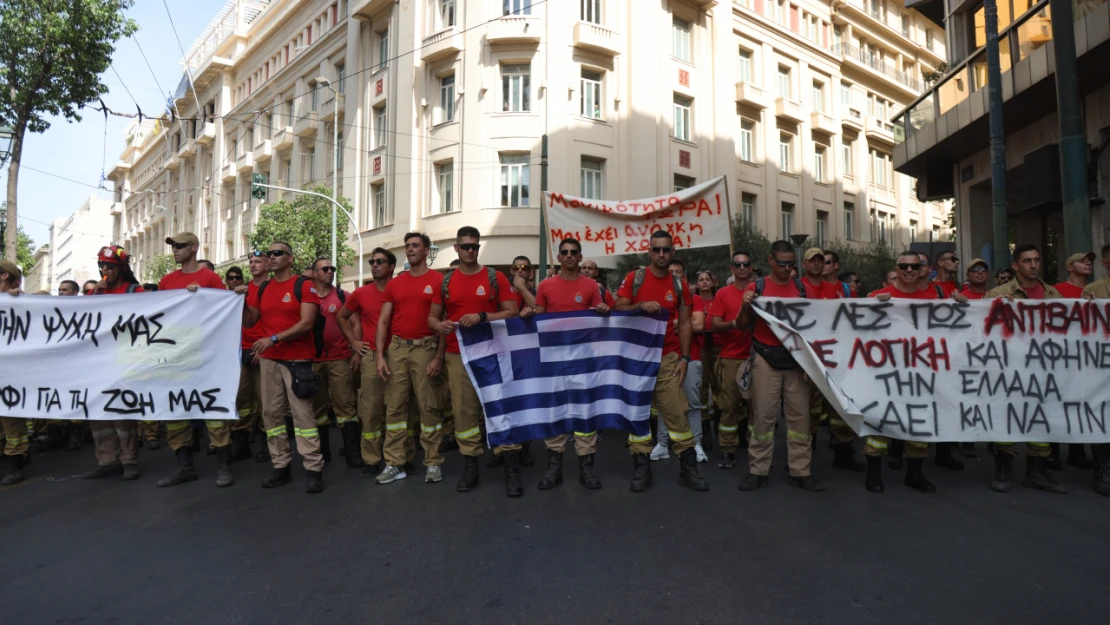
x=113 y=254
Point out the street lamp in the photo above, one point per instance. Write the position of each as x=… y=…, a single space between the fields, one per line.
x=7 y=138
x=433 y=251
x=799 y=240
x=320 y=80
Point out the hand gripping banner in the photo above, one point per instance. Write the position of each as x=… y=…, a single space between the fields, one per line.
x=939 y=371
x=152 y=356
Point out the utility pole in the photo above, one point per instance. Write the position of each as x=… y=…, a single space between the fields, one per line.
x=1000 y=209
x=543 y=262
x=1073 y=142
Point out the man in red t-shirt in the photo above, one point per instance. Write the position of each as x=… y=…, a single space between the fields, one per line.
x=366 y=302
x=410 y=361
x=470 y=295
x=248 y=401
x=1080 y=267
x=333 y=370
x=523 y=275
x=977 y=275
x=652 y=290
x=179 y=434
x=569 y=290
x=736 y=345
x=286 y=352
x=590 y=270
x=778 y=384
x=947 y=266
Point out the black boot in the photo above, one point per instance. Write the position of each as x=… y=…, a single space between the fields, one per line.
x=184 y=471
x=223 y=467
x=513 y=486
x=894 y=459
x=240 y=445
x=1003 y=473
x=314 y=482
x=875 y=474
x=944 y=457
x=15 y=470
x=915 y=479
x=497 y=460
x=688 y=471
x=73 y=438
x=641 y=480
x=753 y=482
x=352 y=445
x=469 y=479
x=263 y=454
x=707 y=435
x=325 y=441
x=553 y=475
x=728 y=460
x=1053 y=459
x=279 y=477
x=844 y=457
x=1102 y=468
x=526 y=456
x=1038 y=477
x=1077 y=457
x=967 y=450
x=448 y=444
x=104 y=470
x=586 y=475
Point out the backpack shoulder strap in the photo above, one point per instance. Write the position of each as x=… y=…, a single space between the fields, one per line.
x=759 y=284
x=342 y=295
x=297 y=287
x=494 y=289
x=261 y=289
x=940 y=291
x=131 y=288
x=443 y=285
x=845 y=289
x=678 y=289
x=801 y=287
x=638 y=281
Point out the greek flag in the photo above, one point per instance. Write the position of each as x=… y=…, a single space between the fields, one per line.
x=561 y=373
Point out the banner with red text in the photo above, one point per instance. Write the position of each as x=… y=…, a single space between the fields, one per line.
x=934 y=371
x=695 y=217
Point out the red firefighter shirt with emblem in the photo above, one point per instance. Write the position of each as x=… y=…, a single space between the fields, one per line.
x=281 y=311
x=556 y=294
x=655 y=289
x=469 y=294
x=336 y=346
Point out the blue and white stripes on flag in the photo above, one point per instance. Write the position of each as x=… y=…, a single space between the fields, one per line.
x=561 y=373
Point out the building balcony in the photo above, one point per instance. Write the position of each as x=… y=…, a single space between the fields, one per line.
x=306 y=126
x=207 y=134
x=879 y=129
x=874 y=64
x=328 y=109
x=442 y=44
x=245 y=162
x=851 y=118
x=368 y=8
x=752 y=95
x=514 y=29
x=171 y=161
x=283 y=138
x=789 y=109
x=823 y=122
x=117 y=208
x=228 y=173
x=597 y=38
x=263 y=151
x=188 y=148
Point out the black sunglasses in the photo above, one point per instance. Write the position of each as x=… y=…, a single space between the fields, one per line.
x=181 y=246
x=568 y=252
x=909 y=266
x=662 y=250
x=327 y=269
x=785 y=263
x=378 y=261
x=234 y=277
x=521 y=267
x=742 y=264
x=276 y=253
x=470 y=247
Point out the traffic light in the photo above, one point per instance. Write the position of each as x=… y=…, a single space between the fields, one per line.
x=257 y=191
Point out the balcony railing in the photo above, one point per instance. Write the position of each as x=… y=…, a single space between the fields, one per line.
x=849 y=51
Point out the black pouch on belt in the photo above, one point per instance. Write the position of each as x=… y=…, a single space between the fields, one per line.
x=305 y=383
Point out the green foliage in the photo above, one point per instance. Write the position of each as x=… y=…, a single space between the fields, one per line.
x=305 y=224
x=159 y=266
x=938 y=72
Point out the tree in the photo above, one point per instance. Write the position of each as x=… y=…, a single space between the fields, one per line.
x=305 y=224
x=25 y=250
x=52 y=53
x=158 y=267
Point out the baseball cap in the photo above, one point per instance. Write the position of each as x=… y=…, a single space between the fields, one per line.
x=814 y=251
x=978 y=261
x=7 y=266
x=1089 y=256
x=183 y=237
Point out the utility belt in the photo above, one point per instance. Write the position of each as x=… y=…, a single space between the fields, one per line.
x=427 y=340
x=305 y=383
x=776 y=355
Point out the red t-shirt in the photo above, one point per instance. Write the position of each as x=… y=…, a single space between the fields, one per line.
x=366 y=302
x=281 y=311
x=735 y=344
x=929 y=293
x=1036 y=291
x=697 y=341
x=558 y=295
x=969 y=294
x=762 y=332
x=1069 y=290
x=608 y=299
x=204 y=277
x=824 y=290
x=948 y=287
x=655 y=289
x=120 y=289
x=250 y=335
x=412 y=299
x=469 y=294
x=336 y=346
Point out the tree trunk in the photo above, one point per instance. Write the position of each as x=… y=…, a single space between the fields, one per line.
x=11 y=235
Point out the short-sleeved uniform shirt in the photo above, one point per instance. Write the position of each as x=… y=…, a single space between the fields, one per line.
x=655 y=289
x=969 y=294
x=558 y=295
x=336 y=346
x=735 y=344
x=412 y=300
x=895 y=292
x=947 y=287
x=366 y=302
x=1069 y=291
x=204 y=277
x=280 y=311
x=825 y=290
x=251 y=335
x=762 y=332
x=470 y=294
x=120 y=289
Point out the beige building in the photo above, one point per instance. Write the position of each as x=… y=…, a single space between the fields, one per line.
x=37 y=279
x=76 y=240
x=443 y=103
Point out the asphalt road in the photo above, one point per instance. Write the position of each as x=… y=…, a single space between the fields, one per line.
x=109 y=551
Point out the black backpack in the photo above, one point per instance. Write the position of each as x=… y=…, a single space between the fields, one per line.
x=320 y=323
x=491 y=274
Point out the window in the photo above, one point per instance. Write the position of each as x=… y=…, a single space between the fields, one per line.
x=515 y=87
x=378 y=193
x=341 y=79
x=882 y=226
x=905 y=25
x=287 y=171
x=913 y=231
x=785 y=141
x=446 y=13
x=822 y=227
x=309 y=165
x=784 y=82
x=591 y=178
x=383 y=49
x=591 y=94
x=936 y=233
x=682 y=183
x=680 y=47
x=747 y=208
x=846 y=158
x=849 y=220
x=845 y=96
x=811 y=28
x=447 y=98
x=445 y=181
x=339 y=152
x=819 y=96
x=780 y=11
x=682 y=117
x=289 y=112
x=837 y=36
x=514 y=179
x=314 y=95
x=747 y=130
x=744 y=66
x=591 y=11
x=379 y=127
x=881 y=172
x=787 y=220
x=517 y=7
x=929 y=40
x=819 y=163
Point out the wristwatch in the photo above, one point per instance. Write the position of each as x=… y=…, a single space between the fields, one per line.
x=686 y=359
x=482 y=316
x=274 y=339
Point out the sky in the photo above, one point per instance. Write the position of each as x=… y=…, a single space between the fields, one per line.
x=77 y=150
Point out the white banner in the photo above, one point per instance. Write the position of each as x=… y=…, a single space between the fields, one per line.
x=943 y=371
x=695 y=217
x=157 y=356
